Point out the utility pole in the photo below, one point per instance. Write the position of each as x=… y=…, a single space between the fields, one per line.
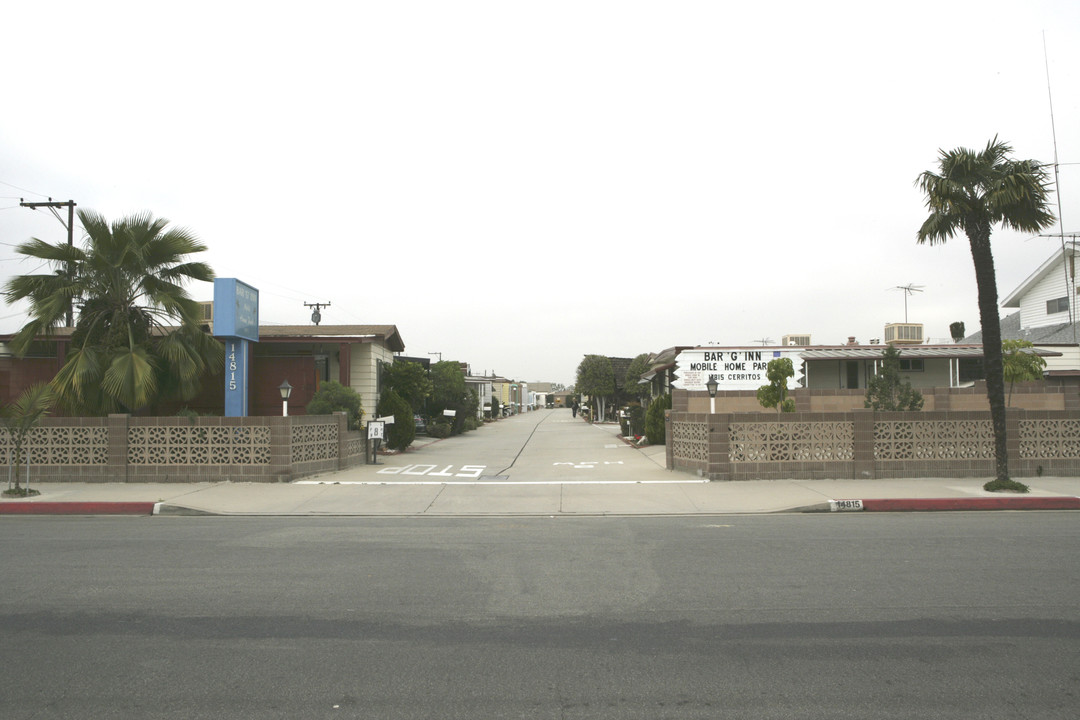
x=52 y=205
x=316 y=316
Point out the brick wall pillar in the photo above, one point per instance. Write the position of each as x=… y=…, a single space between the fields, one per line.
x=863 y=465
x=280 y=448
x=117 y=425
x=719 y=464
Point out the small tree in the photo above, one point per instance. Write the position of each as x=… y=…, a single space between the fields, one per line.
x=1019 y=363
x=654 y=420
x=596 y=379
x=409 y=380
x=494 y=408
x=774 y=395
x=21 y=417
x=956 y=330
x=886 y=391
x=631 y=383
x=402 y=431
x=334 y=397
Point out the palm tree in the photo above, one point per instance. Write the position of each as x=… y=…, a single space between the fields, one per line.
x=136 y=339
x=973 y=191
x=19 y=419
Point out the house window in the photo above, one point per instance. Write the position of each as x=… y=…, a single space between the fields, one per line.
x=1057 y=305
x=911 y=365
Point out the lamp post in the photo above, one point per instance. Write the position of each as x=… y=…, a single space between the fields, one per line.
x=286 y=390
x=711 y=387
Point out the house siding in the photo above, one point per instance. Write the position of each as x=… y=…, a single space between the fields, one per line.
x=1033 y=303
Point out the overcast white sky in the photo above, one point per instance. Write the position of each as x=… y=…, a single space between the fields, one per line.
x=515 y=185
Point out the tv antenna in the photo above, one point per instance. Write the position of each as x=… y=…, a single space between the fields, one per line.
x=909 y=289
x=316 y=316
x=764 y=341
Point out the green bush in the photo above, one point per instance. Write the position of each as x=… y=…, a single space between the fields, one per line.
x=637 y=420
x=439 y=429
x=334 y=397
x=654 y=419
x=470 y=423
x=400 y=433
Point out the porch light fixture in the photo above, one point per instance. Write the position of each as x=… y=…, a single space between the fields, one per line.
x=711 y=386
x=286 y=390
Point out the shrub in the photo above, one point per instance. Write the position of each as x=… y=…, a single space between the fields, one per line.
x=439 y=429
x=334 y=397
x=654 y=419
x=401 y=433
x=637 y=419
x=470 y=423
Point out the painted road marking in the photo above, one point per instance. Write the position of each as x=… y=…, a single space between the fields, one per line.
x=467 y=471
x=588 y=465
x=694 y=481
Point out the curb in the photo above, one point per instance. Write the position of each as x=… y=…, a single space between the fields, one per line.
x=78 y=508
x=948 y=504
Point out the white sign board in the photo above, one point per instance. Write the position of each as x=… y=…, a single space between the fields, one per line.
x=375 y=430
x=734 y=369
x=388 y=419
x=449 y=413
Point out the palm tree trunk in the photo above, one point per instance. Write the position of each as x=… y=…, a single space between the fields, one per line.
x=986 y=281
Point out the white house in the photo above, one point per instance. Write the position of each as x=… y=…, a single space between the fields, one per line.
x=1047 y=312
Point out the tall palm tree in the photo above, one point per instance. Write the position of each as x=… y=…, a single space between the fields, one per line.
x=136 y=339
x=973 y=191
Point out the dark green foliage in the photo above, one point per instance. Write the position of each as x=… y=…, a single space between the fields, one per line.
x=400 y=433
x=654 y=419
x=334 y=397
x=886 y=391
x=1006 y=486
x=409 y=380
x=137 y=339
x=494 y=408
x=631 y=386
x=956 y=331
x=596 y=379
x=774 y=395
x=637 y=420
x=439 y=429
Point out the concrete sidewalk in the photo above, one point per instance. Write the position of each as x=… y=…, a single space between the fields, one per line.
x=340 y=494
x=689 y=496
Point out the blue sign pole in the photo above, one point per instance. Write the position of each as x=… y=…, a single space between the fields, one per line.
x=236 y=321
x=236 y=377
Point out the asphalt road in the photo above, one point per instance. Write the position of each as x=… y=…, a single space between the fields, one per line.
x=813 y=616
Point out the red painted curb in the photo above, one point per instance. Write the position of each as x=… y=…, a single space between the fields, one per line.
x=17 y=507
x=973 y=503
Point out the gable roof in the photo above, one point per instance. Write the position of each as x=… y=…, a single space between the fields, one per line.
x=1012 y=300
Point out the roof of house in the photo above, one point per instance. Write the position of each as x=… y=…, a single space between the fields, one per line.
x=1058 y=334
x=307 y=333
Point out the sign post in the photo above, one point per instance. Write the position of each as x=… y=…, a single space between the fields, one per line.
x=236 y=322
x=375 y=433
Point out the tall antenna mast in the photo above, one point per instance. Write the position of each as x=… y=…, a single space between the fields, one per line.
x=1057 y=187
x=908 y=289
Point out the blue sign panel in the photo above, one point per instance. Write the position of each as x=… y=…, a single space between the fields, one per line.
x=236 y=309
x=236 y=377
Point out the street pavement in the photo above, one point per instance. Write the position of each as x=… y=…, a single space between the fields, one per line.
x=410 y=484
